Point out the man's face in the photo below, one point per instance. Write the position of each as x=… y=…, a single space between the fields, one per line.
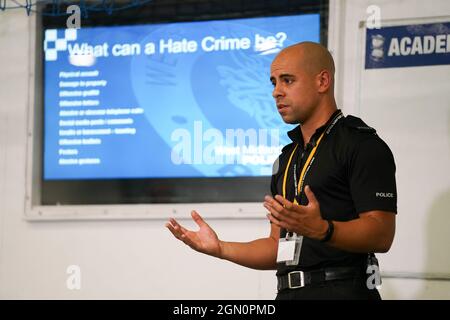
x=294 y=89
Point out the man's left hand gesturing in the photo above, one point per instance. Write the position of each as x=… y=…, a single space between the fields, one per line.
x=303 y=220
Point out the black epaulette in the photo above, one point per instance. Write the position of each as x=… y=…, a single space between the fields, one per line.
x=358 y=124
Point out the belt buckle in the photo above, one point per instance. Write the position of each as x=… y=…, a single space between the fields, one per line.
x=302 y=279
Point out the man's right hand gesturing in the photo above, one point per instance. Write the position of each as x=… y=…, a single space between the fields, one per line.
x=204 y=240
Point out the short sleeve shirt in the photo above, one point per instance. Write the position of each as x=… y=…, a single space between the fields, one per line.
x=353 y=172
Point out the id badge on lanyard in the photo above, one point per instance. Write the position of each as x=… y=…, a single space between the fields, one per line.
x=289 y=249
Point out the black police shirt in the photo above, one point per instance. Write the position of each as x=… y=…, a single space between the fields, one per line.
x=353 y=172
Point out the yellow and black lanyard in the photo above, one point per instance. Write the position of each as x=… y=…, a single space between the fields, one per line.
x=298 y=184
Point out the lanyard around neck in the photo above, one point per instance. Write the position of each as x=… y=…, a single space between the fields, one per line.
x=308 y=163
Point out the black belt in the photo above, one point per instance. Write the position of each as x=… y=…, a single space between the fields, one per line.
x=299 y=279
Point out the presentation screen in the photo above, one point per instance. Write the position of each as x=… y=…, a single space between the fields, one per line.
x=172 y=102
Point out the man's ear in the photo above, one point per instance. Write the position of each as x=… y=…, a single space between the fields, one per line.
x=324 y=81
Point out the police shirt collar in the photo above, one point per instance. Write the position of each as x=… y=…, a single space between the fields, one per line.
x=296 y=134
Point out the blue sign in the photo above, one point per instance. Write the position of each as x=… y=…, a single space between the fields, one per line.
x=408 y=46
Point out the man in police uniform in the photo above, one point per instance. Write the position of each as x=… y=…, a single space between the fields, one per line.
x=333 y=198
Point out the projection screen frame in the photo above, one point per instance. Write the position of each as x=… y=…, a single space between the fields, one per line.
x=36 y=211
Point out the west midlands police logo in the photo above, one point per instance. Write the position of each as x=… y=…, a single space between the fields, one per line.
x=377 y=47
x=53 y=44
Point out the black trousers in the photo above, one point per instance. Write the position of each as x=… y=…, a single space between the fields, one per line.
x=345 y=289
